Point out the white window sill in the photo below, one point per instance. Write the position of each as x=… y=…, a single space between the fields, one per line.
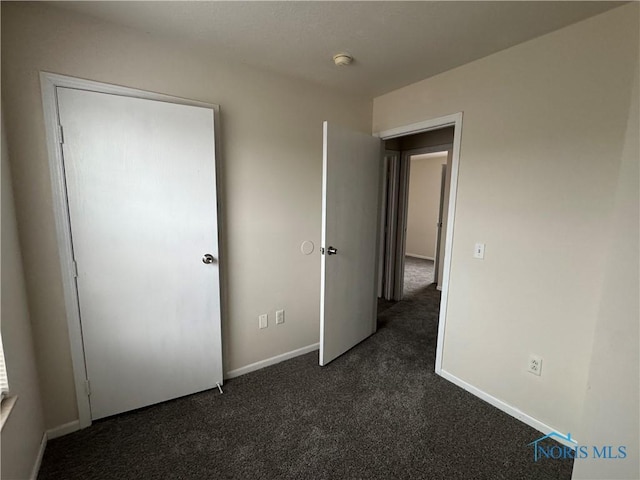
x=6 y=407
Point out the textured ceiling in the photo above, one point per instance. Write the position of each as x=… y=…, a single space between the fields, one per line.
x=394 y=43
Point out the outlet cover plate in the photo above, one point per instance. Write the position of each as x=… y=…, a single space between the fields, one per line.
x=535 y=364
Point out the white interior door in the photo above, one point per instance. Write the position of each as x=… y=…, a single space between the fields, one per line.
x=141 y=190
x=350 y=219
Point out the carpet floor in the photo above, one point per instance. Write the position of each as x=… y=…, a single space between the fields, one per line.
x=377 y=412
x=418 y=273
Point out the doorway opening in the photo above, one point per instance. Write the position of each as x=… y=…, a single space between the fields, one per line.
x=424 y=220
x=417 y=175
x=419 y=187
x=364 y=218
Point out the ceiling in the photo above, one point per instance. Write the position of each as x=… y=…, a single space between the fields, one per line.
x=394 y=43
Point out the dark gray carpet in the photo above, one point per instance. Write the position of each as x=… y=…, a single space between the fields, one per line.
x=377 y=412
x=418 y=273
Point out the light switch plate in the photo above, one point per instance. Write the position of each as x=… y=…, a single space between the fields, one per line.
x=478 y=251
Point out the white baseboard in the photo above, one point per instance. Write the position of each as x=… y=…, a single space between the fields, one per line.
x=36 y=466
x=415 y=255
x=50 y=434
x=65 y=429
x=271 y=361
x=505 y=407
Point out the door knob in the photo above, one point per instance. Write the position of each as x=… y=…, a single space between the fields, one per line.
x=331 y=251
x=208 y=258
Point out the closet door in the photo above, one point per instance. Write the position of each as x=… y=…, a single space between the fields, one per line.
x=141 y=190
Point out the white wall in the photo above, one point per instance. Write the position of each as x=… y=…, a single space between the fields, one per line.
x=271 y=175
x=424 y=204
x=611 y=414
x=542 y=138
x=23 y=432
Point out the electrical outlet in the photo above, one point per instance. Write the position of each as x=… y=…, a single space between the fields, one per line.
x=535 y=364
x=279 y=317
x=263 y=321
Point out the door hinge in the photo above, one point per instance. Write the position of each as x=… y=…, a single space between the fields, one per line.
x=87 y=387
x=75 y=269
x=60 y=134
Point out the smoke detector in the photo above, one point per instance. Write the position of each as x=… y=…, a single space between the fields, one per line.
x=342 y=59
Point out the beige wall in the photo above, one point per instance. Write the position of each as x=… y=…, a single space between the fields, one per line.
x=424 y=203
x=541 y=146
x=271 y=175
x=22 y=434
x=611 y=413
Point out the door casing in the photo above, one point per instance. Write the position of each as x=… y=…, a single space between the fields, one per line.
x=49 y=82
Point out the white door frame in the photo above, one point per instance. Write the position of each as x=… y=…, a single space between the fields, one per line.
x=48 y=83
x=454 y=120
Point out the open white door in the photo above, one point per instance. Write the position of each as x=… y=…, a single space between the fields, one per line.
x=350 y=219
x=141 y=190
